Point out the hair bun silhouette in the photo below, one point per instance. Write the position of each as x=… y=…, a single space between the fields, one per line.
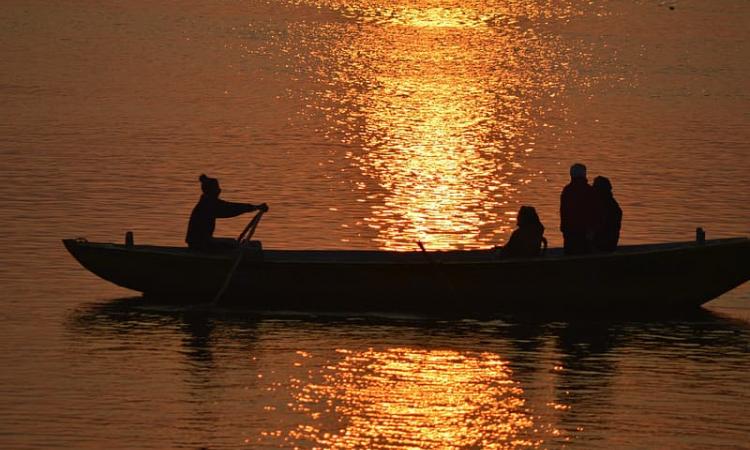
x=203 y=178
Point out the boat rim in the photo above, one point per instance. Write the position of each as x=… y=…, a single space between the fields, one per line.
x=430 y=257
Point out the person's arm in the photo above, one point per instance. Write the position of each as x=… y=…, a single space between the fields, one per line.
x=618 y=215
x=229 y=209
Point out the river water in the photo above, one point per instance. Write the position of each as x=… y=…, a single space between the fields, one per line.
x=364 y=124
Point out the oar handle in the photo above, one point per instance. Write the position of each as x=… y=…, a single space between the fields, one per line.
x=249 y=230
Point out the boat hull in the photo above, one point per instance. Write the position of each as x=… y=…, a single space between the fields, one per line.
x=649 y=277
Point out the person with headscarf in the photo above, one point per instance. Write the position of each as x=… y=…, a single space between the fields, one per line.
x=209 y=208
x=527 y=239
x=610 y=216
x=579 y=212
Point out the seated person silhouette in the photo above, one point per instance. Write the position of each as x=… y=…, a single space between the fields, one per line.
x=579 y=212
x=528 y=239
x=607 y=233
x=209 y=208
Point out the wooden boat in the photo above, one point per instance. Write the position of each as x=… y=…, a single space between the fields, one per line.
x=635 y=277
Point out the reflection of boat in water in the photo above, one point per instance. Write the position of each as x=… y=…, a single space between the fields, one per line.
x=637 y=277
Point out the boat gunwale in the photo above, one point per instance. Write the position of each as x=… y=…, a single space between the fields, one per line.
x=410 y=257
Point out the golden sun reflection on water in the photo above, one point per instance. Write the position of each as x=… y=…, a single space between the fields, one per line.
x=410 y=398
x=431 y=16
x=437 y=101
x=431 y=163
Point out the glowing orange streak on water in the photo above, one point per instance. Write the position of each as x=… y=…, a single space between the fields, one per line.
x=410 y=398
x=436 y=101
x=430 y=164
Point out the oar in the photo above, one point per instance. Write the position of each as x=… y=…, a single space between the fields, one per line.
x=251 y=226
x=249 y=230
x=424 y=252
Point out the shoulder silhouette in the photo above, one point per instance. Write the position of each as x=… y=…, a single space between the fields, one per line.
x=527 y=239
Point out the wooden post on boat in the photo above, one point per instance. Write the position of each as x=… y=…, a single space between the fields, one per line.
x=700 y=235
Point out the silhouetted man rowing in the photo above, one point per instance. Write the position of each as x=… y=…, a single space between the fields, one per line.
x=209 y=208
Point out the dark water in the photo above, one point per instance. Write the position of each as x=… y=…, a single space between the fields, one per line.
x=364 y=124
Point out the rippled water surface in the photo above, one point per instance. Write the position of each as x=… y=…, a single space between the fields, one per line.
x=364 y=124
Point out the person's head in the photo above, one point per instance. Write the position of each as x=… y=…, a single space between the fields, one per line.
x=578 y=170
x=527 y=216
x=602 y=184
x=210 y=186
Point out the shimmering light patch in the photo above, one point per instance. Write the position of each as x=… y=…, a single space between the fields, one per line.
x=409 y=398
x=432 y=166
x=438 y=17
x=448 y=12
x=438 y=104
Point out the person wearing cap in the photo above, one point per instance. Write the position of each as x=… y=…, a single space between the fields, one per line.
x=579 y=212
x=209 y=208
x=610 y=216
